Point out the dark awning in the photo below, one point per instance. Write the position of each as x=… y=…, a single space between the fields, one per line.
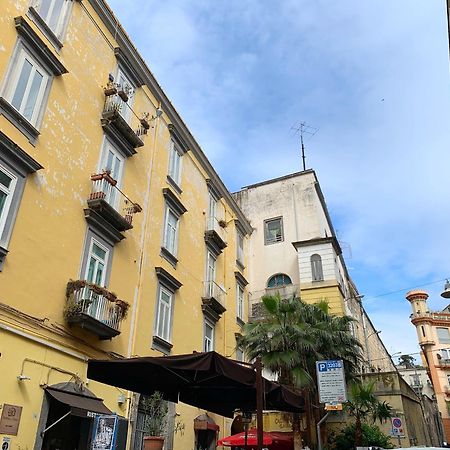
x=205 y=380
x=80 y=405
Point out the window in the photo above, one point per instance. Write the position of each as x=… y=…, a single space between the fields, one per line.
x=240 y=248
x=15 y=166
x=414 y=380
x=7 y=186
x=239 y=354
x=443 y=335
x=281 y=279
x=27 y=87
x=212 y=204
x=170 y=231
x=273 y=231
x=164 y=314
x=208 y=340
x=97 y=260
x=239 y=301
x=316 y=268
x=112 y=161
x=210 y=274
x=53 y=13
x=126 y=86
x=175 y=163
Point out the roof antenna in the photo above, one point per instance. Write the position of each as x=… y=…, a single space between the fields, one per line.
x=304 y=130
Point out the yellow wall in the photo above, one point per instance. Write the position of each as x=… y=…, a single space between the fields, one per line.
x=48 y=236
x=331 y=294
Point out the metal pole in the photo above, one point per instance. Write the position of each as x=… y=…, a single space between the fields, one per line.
x=319 y=437
x=259 y=403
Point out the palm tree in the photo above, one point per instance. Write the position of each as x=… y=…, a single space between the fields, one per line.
x=363 y=405
x=291 y=336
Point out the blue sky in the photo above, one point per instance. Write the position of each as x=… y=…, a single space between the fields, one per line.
x=372 y=76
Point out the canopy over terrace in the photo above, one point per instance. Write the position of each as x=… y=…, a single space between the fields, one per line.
x=205 y=380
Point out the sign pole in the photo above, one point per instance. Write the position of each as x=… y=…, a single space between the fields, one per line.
x=259 y=403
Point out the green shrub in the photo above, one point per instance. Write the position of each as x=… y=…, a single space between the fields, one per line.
x=371 y=436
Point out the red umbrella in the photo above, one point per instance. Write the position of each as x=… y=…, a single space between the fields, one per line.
x=238 y=440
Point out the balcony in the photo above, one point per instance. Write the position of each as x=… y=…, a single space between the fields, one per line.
x=215 y=234
x=94 y=309
x=115 y=121
x=107 y=200
x=214 y=298
x=256 y=306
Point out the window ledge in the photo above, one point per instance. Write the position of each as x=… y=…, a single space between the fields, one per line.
x=161 y=345
x=18 y=121
x=240 y=322
x=44 y=28
x=168 y=256
x=240 y=265
x=174 y=184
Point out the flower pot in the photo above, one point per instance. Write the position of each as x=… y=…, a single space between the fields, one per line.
x=153 y=443
x=123 y=95
x=110 y=91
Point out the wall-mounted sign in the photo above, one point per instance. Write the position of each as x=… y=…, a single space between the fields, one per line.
x=397 y=427
x=331 y=381
x=104 y=433
x=10 y=419
x=6 y=443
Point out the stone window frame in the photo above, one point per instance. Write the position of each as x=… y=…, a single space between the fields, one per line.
x=170 y=284
x=55 y=37
x=29 y=42
x=21 y=165
x=269 y=240
x=93 y=235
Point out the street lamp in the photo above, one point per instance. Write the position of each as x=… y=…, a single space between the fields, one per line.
x=446 y=293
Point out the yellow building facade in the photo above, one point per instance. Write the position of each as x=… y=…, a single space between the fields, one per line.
x=117 y=237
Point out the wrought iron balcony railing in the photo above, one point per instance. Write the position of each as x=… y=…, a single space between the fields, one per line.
x=214 y=296
x=94 y=308
x=118 y=113
x=110 y=202
x=215 y=233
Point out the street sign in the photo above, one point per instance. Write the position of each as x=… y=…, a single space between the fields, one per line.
x=6 y=443
x=333 y=407
x=397 y=427
x=331 y=381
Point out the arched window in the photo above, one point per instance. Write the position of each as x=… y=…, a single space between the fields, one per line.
x=316 y=267
x=280 y=279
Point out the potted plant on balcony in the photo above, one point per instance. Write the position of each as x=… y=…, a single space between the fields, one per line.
x=110 y=89
x=155 y=422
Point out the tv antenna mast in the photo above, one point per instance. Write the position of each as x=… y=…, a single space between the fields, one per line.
x=305 y=131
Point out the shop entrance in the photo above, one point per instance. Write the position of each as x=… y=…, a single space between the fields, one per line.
x=205 y=432
x=67 y=418
x=70 y=433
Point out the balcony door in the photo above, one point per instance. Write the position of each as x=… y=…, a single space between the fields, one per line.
x=113 y=162
x=125 y=85
x=210 y=274
x=96 y=274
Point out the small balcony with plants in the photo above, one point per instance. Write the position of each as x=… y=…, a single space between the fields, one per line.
x=214 y=297
x=215 y=233
x=119 y=118
x=108 y=201
x=94 y=309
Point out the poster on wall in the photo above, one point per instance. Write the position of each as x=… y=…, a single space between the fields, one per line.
x=104 y=435
x=10 y=419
